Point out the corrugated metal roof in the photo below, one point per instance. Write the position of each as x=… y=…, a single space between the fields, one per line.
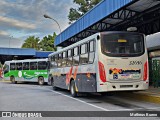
x=109 y=13
x=24 y=52
x=17 y=51
x=42 y=54
x=103 y=9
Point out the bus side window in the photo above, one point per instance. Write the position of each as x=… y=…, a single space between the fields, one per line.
x=33 y=65
x=53 y=62
x=19 y=66
x=42 y=65
x=91 y=51
x=76 y=55
x=69 y=58
x=64 y=60
x=84 y=53
x=12 y=66
x=59 y=63
x=25 y=66
x=56 y=60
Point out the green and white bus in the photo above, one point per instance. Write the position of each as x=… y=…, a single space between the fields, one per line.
x=30 y=70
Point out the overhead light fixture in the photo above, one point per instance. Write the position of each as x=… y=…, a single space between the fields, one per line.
x=132 y=29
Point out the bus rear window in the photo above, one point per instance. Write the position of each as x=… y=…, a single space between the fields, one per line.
x=122 y=44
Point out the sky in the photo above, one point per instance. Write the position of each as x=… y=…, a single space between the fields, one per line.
x=20 y=19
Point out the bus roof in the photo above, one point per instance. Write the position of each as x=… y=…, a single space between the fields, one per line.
x=27 y=60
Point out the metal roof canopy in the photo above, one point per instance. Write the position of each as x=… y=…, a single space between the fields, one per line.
x=114 y=15
x=7 y=54
x=17 y=51
x=42 y=54
x=24 y=52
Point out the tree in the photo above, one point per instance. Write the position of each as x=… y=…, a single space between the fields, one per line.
x=84 y=6
x=47 y=43
x=31 y=42
x=1 y=65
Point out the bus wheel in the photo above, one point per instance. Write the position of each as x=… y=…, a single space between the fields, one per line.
x=12 y=79
x=72 y=89
x=40 y=80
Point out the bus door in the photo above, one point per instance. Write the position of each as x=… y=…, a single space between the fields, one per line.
x=5 y=72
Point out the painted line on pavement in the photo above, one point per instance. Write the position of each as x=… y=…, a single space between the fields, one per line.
x=157 y=108
x=80 y=101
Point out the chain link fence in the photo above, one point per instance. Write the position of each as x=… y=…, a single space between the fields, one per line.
x=154 y=73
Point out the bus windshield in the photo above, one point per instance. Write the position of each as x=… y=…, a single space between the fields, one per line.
x=6 y=68
x=122 y=44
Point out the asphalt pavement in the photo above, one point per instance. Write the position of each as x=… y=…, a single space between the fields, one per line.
x=32 y=97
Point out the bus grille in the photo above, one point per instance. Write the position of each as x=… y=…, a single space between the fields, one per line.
x=126 y=86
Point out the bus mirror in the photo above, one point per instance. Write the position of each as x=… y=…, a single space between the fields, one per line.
x=6 y=71
x=98 y=37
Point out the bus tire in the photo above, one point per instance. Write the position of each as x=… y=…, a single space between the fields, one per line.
x=40 y=80
x=12 y=79
x=73 y=89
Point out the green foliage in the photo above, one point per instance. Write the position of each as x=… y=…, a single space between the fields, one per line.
x=1 y=65
x=47 y=42
x=73 y=15
x=31 y=42
x=84 y=6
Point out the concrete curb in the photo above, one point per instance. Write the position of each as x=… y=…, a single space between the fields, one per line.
x=143 y=97
x=5 y=81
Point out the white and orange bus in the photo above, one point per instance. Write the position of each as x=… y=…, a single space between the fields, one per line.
x=105 y=61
